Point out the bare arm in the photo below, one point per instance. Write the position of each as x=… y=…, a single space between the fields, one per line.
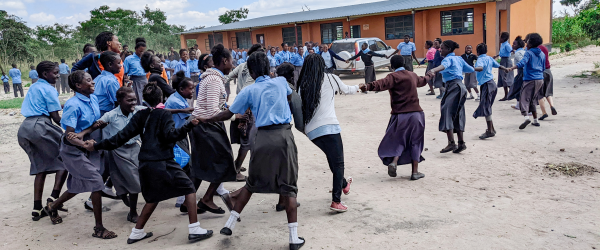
x=478 y=69
x=222 y=116
x=55 y=117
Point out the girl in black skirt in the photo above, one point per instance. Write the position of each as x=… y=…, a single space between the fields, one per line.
x=470 y=78
x=161 y=177
x=366 y=54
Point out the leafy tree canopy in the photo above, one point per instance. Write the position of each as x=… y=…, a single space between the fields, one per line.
x=232 y=16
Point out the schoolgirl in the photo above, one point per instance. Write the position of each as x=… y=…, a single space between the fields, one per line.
x=470 y=78
x=505 y=79
x=429 y=56
x=152 y=64
x=365 y=55
x=106 y=84
x=515 y=91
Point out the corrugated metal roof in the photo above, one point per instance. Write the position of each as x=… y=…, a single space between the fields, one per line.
x=331 y=13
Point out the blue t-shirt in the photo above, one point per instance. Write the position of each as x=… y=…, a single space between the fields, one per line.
x=132 y=66
x=176 y=101
x=505 y=49
x=406 y=49
x=283 y=56
x=272 y=60
x=33 y=74
x=240 y=61
x=63 y=69
x=454 y=66
x=166 y=66
x=182 y=66
x=488 y=63
x=80 y=112
x=533 y=64
x=193 y=65
x=267 y=98
x=244 y=55
x=15 y=74
x=105 y=90
x=41 y=99
x=297 y=60
x=4 y=78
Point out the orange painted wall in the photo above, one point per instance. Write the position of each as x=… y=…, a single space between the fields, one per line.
x=527 y=16
x=503 y=21
x=492 y=35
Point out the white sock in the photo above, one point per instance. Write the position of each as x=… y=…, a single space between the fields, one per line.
x=535 y=120
x=137 y=234
x=232 y=220
x=527 y=118
x=294 y=233
x=180 y=199
x=195 y=228
x=470 y=94
x=221 y=190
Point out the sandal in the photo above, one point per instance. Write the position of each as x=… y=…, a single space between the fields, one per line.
x=54 y=217
x=59 y=208
x=102 y=233
x=38 y=214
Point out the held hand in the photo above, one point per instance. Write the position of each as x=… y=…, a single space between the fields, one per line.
x=73 y=136
x=100 y=124
x=347 y=61
x=89 y=145
x=196 y=121
x=188 y=110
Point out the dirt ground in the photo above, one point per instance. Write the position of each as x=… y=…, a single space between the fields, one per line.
x=498 y=194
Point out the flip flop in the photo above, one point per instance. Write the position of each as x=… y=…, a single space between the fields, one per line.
x=131 y=241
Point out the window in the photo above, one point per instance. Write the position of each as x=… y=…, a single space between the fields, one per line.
x=244 y=41
x=457 y=22
x=214 y=40
x=396 y=27
x=331 y=32
x=381 y=46
x=372 y=45
x=289 y=35
x=355 y=31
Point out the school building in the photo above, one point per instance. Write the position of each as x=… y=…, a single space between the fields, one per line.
x=468 y=22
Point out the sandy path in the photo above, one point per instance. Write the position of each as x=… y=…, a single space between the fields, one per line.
x=495 y=195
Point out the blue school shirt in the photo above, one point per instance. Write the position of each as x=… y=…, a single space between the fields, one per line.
x=63 y=69
x=15 y=74
x=132 y=66
x=406 y=49
x=166 y=66
x=297 y=60
x=182 y=66
x=272 y=60
x=454 y=66
x=505 y=49
x=41 y=99
x=316 y=49
x=488 y=63
x=533 y=64
x=193 y=65
x=284 y=56
x=234 y=55
x=399 y=69
x=80 y=112
x=176 y=101
x=245 y=55
x=240 y=61
x=33 y=74
x=4 y=78
x=106 y=86
x=267 y=98
x=173 y=64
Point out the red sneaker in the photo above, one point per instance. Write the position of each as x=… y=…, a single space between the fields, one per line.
x=346 y=190
x=338 y=207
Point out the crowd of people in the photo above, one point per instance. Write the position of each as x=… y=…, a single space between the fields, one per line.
x=151 y=123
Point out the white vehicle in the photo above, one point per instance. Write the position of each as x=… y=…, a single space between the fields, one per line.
x=349 y=47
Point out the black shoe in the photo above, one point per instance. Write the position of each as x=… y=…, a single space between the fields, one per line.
x=553 y=111
x=204 y=207
x=487 y=134
x=392 y=170
x=543 y=117
x=184 y=209
x=226 y=231
x=297 y=246
x=199 y=237
x=430 y=93
x=451 y=147
x=85 y=205
x=131 y=241
x=537 y=124
x=524 y=124
x=130 y=218
x=414 y=177
x=280 y=208
x=461 y=147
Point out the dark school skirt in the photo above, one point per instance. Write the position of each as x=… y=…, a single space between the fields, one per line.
x=453 y=107
x=123 y=166
x=404 y=137
x=212 y=160
x=370 y=74
x=274 y=162
x=515 y=90
x=85 y=168
x=486 y=100
x=41 y=141
x=408 y=63
x=163 y=180
x=297 y=70
x=438 y=81
x=244 y=136
x=529 y=96
x=429 y=67
x=471 y=80
x=505 y=79
x=138 y=86
x=548 y=88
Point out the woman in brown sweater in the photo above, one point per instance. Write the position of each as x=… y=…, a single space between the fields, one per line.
x=404 y=137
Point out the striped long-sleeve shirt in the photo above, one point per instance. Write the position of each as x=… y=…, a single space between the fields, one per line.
x=211 y=94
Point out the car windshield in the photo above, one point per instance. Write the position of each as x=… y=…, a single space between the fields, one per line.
x=339 y=47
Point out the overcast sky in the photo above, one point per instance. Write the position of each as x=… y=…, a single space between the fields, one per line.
x=191 y=13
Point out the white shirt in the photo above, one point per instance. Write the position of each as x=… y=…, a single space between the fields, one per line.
x=327 y=57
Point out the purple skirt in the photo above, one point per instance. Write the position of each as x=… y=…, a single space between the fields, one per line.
x=404 y=137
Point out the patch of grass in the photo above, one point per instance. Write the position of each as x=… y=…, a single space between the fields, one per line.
x=14 y=103
x=552 y=53
x=596 y=65
x=27 y=85
x=581 y=75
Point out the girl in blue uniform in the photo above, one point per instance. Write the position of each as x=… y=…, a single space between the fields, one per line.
x=505 y=79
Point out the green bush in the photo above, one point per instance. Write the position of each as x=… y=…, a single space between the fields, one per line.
x=568 y=47
x=589 y=21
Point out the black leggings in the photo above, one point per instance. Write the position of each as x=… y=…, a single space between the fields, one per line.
x=333 y=148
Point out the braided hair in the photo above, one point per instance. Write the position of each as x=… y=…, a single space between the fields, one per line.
x=102 y=40
x=75 y=78
x=43 y=67
x=180 y=81
x=152 y=94
x=452 y=45
x=309 y=85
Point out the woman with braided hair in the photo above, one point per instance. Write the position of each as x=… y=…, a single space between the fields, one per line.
x=453 y=118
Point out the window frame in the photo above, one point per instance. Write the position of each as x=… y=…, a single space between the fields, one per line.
x=243 y=38
x=333 y=32
x=297 y=29
x=216 y=40
x=464 y=15
x=385 y=27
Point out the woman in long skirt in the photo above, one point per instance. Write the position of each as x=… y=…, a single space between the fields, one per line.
x=470 y=78
x=453 y=118
x=505 y=79
x=405 y=134
x=429 y=58
x=515 y=91
x=161 y=178
x=484 y=67
x=274 y=161
x=40 y=138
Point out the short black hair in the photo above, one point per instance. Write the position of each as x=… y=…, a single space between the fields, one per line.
x=504 y=36
x=182 y=50
x=62 y=60
x=429 y=43
x=219 y=53
x=140 y=40
x=203 y=60
x=31 y=67
x=14 y=65
x=102 y=39
x=181 y=81
x=123 y=91
x=86 y=47
x=535 y=40
x=520 y=42
x=146 y=60
x=406 y=36
x=125 y=46
x=107 y=57
x=152 y=94
x=397 y=61
x=75 y=78
x=283 y=44
x=45 y=66
x=286 y=70
x=140 y=44
x=258 y=63
x=452 y=45
x=254 y=48
x=481 y=49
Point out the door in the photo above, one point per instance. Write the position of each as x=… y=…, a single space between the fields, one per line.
x=355 y=31
x=260 y=38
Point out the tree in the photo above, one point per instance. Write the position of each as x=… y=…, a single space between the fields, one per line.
x=15 y=39
x=232 y=16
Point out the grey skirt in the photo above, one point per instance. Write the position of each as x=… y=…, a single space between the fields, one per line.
x=139 y=82
x=453 y=107
x=404 y=137
x=41 y=141
x=529 y=96
x=212 y=158
x=548 y=88
x=123 y=165
x=515 y=90
x=370 y=74
x=274 y=162
x=297 y=70
x=505 y=79
x=438 y=81
x=408 y=63
x=471 y=80
x=243 y=135
x=488 y=95
x=85 y=168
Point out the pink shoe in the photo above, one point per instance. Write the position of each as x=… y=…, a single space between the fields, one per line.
x=346 y=190
x=338 y=207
